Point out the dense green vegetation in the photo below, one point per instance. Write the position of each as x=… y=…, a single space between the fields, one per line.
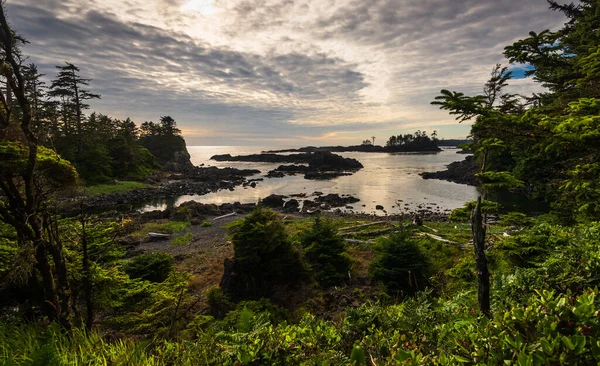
x=100 y=147
x=515 y=290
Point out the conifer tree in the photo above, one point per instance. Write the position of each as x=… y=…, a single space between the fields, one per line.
x=69 y=86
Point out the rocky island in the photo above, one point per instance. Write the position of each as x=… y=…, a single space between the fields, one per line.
x=462 y=172
x=316 y=165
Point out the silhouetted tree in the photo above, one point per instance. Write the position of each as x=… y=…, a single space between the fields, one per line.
x=69 y=86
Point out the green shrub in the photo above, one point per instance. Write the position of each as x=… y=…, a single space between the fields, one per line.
x=516 y=219
x=263 y=255
x=464 y=213
x=218 y=302
x=154 y=267
x=400 y=265
x=324 y=251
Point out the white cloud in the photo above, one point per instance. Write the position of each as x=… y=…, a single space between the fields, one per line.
x=280 y=68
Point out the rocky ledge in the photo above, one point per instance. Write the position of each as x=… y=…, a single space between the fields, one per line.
x=462 y=172
x=323 y=202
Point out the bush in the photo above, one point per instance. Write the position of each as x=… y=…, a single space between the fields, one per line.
x=218 y=302
x=400 y=266
x=154 y=267
x=324 y=250
x=464 y=213
x=263 y=255
x=516 y=219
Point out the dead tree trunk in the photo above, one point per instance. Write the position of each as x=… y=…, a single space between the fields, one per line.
x=87 y=276
x=483 y=274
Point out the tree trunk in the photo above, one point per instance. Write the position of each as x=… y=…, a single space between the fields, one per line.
x=483 y=274
x=79 y=122
x=87 y=282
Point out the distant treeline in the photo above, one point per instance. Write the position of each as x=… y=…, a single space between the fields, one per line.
x=100 y=147
x=419 y=141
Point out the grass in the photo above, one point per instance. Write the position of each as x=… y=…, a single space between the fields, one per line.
x=206 y=224
x=167 y=227
x=182 y=240
x=120 y=187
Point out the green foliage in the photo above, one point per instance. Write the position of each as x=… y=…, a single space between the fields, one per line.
x=184 y=239
x=154 y=267
x=33 y=345
x=206 y=224
x=547 y=328
x=464 y=213
x=400 y=265
x=218 y=302
x=498 y=180
x=324 y=251
x=50 y=170
x=263 y=254
x=516 y=219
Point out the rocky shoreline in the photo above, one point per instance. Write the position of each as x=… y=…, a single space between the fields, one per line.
x=194 y=181
x=196 y=212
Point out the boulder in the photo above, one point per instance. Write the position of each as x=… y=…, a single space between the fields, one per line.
x=291 y=206
x=273 y=201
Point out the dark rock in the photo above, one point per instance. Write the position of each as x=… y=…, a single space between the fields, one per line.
x=317 y=175
x=291 y=206
x=275 y=174
x=379 y=207
x=154 y=215
x=462 y=172
x=335 y=200
x=274 y=201
x=309 y=205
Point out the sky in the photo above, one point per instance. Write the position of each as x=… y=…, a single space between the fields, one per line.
x=281 y=72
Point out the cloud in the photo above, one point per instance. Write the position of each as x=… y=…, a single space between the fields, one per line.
x=275 y=69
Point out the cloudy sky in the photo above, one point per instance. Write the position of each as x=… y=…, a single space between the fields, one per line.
x=280 y=72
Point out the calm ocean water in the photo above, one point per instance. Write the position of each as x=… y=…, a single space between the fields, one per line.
x=390 y=180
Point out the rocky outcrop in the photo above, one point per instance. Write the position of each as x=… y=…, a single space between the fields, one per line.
x=170 y=152
x=319 y=165
x=315 y=161
x=462 y=172
x=273 y=201
x=209 y=174
x=324 y=175
x=291 y=206
x=335 y=200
